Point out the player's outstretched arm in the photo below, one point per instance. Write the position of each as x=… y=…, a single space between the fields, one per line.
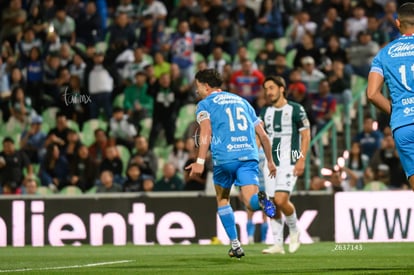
x=267 y=148
x=374 y=92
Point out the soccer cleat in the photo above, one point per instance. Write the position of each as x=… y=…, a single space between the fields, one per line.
x=250 y=239
x=238 y=252
x=275 y=249
x=294 y=242
x=268 y=207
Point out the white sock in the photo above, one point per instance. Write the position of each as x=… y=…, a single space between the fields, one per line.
x=291 y=222
x=235 y=244
x=277 y=230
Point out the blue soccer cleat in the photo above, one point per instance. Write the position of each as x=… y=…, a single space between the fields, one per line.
x=267 y=206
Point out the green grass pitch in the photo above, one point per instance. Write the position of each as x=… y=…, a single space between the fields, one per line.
x=318 y=258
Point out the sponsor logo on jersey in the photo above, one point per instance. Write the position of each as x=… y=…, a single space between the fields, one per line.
x=407 y=101
x=401 y=49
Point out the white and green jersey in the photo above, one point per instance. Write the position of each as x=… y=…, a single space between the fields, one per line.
x=283 y=126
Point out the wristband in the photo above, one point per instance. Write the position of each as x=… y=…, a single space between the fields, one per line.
x=200 y=161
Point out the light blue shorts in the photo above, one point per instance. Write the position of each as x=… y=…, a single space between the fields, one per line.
x=239 y=172
x=404 y=142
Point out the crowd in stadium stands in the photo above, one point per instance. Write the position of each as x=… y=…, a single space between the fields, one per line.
x=92 y=93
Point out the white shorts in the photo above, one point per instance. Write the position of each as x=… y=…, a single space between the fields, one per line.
x=283 y=182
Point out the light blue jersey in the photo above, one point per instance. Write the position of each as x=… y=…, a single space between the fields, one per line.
x=395 y=62
x=233 y=121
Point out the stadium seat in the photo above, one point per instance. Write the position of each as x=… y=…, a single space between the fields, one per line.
x=226 y=57
x=92 y=190
x=73 y=125
x=290 y=57
x=163 y=151
x=281 y=44
x=89 y=127
x=186 y=115
x=119 y=101
x=197 y=57
x=44 y=190
x=255 y=45
x=145 y=124
x=71 y=190
x=49 y=118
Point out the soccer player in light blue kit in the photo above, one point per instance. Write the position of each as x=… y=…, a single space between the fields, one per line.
x=228 y=126
x=394 y=65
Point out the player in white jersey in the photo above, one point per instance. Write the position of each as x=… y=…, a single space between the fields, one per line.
x=288 y=127
x=394 y=65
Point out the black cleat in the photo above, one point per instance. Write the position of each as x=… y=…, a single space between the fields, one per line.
x=238 y=252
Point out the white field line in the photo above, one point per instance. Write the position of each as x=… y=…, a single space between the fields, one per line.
x=64 y=267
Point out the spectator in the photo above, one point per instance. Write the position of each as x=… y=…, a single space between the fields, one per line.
x=127 y=7
x=97 y=150
x=34 y=76
x=101 y=86
x=29 y=187
x=323 y=105
x=121 y=131
x=107 y=183
x=184 y=91
x=355 y=24
x=28 y=42
x=369 y=139
x=169 y=181
x=297 y=92
x=238 y=59
x=112 y=162
x=139 y=63
x=54 y=169
x=12 y=21
x=74 y=100
x=138 y=104
x=181 y=47
x=361 y=53
x=281 y=67
x=377 y=179
x=150 y=35
x=155 y=8
x=83 y=169
x=245 y=18
x=387 y=154
x=165 y=110
x=88 y=27
x=121 y=33
x=217 y=60
x=20 y=109
x=334 y=50
x=134 y=180
x=161 y=66
x=269 y=22
x=50 y=78
x=340 y=82
x=73 y=145
x=271 y=54
x=307 y=48
x=225 y=34
x=247 y=82
x=59 y=133
x=75 y=9
x=302 y=24
x=64 y=26
x=377 y=33
x=310 y=75
x=387 y=21
x=179 y=155
x=358 y=162
x=16 y=79
x=145 y=157
x=77 y=68
x=332 y=25
x=32 y=141
x=12 y=163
